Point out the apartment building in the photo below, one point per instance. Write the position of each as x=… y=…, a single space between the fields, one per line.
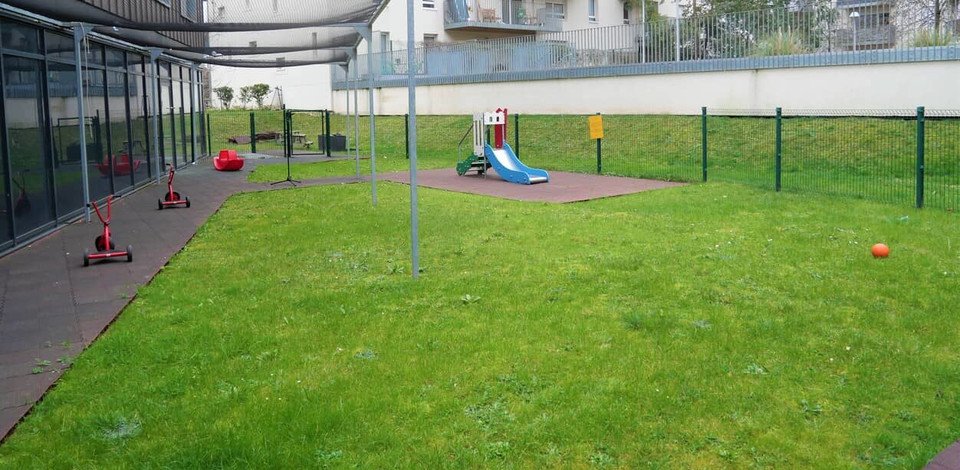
x=437 y=21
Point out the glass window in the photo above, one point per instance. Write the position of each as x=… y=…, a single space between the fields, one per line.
x=592 y=10
x=59 y=46
x=556 y=10
x=98 y=142
x=92 y=53
x=167 y=135
x=115 y=58
x=62 y=86
x=140 y=146
x=189 y=10
x=135 y=63
x=121 y=163
x=180 y=100
x=20 y=37
x=32 y=205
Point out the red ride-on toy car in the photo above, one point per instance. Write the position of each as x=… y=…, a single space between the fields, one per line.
x=228 y=160
x=172 y=198
x=103 y=242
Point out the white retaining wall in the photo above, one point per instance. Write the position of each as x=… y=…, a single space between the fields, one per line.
x=935 y=85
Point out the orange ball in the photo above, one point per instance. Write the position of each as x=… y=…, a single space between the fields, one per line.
x=880 y=250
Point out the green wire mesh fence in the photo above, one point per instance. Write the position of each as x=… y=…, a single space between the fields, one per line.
x=893 y=156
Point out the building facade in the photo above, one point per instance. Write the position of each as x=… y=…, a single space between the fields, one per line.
x=40 y=121
x=440 y=21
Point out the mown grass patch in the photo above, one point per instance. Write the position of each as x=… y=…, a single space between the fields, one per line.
x=703 y=326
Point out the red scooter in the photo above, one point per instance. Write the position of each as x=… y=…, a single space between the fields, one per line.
x=103 y=243
x=172 y=198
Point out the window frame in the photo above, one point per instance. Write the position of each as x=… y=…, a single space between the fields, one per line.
x=196 y=14
x=551 y=7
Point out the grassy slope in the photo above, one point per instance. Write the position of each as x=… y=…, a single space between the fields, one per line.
x=861 y=157
x=752 y=330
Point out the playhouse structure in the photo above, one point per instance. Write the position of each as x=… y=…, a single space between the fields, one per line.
x=500 y=155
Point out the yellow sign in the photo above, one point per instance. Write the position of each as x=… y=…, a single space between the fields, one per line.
x=596 y=126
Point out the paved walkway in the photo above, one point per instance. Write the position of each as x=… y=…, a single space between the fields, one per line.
x=51 y=307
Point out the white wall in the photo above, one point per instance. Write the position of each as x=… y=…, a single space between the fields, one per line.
x=887 y=86
x=303 y=87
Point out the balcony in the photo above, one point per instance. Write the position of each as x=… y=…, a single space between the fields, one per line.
x=877 y=37
x=519 y=16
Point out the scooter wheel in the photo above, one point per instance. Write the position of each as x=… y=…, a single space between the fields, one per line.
x=100 y=245
x=86 y=257
x=159 y=205
x=176 y=196
x=188 y=202
x=129 y=253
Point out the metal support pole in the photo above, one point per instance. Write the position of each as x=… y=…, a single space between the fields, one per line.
x=406 y=134
x=367 y=34
x=412 y=145
x=79 y=32
x=778 y=165
x=194 y=112
x=209 y=137
x=921 y=141
x=326 y=130
x=516 y=134
x=253 y=133
x=356 y=112
x=346 y=121
x=703 y=142
x=155 y=106
x=599 y=158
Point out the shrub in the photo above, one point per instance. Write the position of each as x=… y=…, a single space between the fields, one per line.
x=932 y=38
x=780 y=43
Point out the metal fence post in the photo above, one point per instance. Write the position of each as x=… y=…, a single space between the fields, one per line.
x=209 y=137
x=599 y=155
x=676 y=38
x=779 y=147
x=921 y=141
x=703 y=142
x=516 y=134
x=406 y=134
x=326 y=128
x=253 y=132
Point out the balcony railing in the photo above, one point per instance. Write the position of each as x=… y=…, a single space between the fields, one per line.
x=512 y=15
x=861 y=3
x=734 y=41
x=878 y=36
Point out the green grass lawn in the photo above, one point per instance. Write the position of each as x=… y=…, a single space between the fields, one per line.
x=703 y=326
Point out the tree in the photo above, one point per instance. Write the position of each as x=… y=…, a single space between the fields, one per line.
x=225 y=95
x=259 y=93
x=246 y=94
x=932 y=16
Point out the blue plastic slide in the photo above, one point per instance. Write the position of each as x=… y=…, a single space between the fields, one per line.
x=511 y=169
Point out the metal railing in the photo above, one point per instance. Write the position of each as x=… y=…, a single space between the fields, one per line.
x=877 y=32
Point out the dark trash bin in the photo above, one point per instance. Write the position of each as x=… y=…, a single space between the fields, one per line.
x=338 y=142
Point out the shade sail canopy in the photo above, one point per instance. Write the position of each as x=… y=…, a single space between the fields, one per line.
x=239 y=33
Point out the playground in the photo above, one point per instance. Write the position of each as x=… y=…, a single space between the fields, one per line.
x=640 y=322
